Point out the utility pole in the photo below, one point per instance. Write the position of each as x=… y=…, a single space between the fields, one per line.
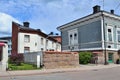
x=104 y=50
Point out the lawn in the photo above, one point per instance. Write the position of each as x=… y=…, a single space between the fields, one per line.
x=23 y=66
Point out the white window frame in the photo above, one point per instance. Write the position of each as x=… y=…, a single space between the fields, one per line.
x=72 y=32
x=110 y=27
x=26 y=38
x=118 y=29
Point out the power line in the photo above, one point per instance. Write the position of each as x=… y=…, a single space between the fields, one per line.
x=117 y=6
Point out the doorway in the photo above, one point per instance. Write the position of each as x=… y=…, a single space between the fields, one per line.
x=110 y=57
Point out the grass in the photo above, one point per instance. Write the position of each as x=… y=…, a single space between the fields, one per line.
x=23 y=66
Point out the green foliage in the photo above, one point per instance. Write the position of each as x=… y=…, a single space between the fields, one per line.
x=85 y=57
x=23 y=66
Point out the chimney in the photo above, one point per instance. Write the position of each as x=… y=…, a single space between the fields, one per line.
x=112 y=11
x=26 y=24
x=96 y=9
x=39 y=30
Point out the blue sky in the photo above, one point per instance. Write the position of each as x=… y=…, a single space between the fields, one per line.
x=47 y=15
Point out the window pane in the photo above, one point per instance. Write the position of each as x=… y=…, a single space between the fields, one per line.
x=26 y=38
x=26 y=49
x=118 y=38
x=109 y=30
x=118 y=32
x=41 y=41
x=109 y=36
x=75 y=36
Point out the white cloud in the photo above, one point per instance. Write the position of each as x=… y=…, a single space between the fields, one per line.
x=6 y=23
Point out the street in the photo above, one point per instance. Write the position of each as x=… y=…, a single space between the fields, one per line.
x=96 y=74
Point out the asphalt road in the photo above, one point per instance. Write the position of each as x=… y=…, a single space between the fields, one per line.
x=101 y=74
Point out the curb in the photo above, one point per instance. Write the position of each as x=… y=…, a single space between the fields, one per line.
x=52 y=71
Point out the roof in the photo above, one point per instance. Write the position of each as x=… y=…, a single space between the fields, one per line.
x=6 y=38
x=2 y=44
x=33 y=31
x=80 y=19
x=58 y=38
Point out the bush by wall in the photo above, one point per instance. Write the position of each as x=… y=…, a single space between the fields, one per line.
x=85 y=57
x=16 y=59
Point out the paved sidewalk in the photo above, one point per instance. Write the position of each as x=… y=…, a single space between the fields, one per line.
x=48 y=71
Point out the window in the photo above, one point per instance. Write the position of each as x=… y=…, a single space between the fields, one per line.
x=118 y=36
x=70 y=38
x=46 y=43
x=73 y=37
x=26 y=38
x=109 y=46
x=42 y=49
x=52 y=44
x=26 y=49
x=42 y=41
x=110 y=34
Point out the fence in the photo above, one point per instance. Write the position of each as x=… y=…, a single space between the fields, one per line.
x=35 y=58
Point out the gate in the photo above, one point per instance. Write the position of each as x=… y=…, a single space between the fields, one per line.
x=35 y=58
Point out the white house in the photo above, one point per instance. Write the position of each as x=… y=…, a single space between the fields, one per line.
x=26 y=39
x=3 y=56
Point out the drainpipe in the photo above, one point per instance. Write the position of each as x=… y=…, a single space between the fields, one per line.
x=105 y=54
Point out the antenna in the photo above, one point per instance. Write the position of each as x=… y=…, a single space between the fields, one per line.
x=103 y=4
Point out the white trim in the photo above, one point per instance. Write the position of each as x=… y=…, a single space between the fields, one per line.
x=81 y=20
x=102 y=32
x=91 y=42
x=92 y=49
x=89 y=17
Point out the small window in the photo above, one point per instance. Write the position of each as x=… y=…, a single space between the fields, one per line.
x=26 y=49
x=26 y=38
x=41 y=49
x=109 y=46
x=42 y=41
x=109 y=30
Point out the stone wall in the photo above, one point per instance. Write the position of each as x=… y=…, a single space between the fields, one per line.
x=60 y=59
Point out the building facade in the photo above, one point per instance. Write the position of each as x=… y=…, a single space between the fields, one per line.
x=98 y=32
x=9 y=43
x=26 y=39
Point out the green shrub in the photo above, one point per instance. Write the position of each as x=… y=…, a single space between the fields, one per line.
x=85 y=57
